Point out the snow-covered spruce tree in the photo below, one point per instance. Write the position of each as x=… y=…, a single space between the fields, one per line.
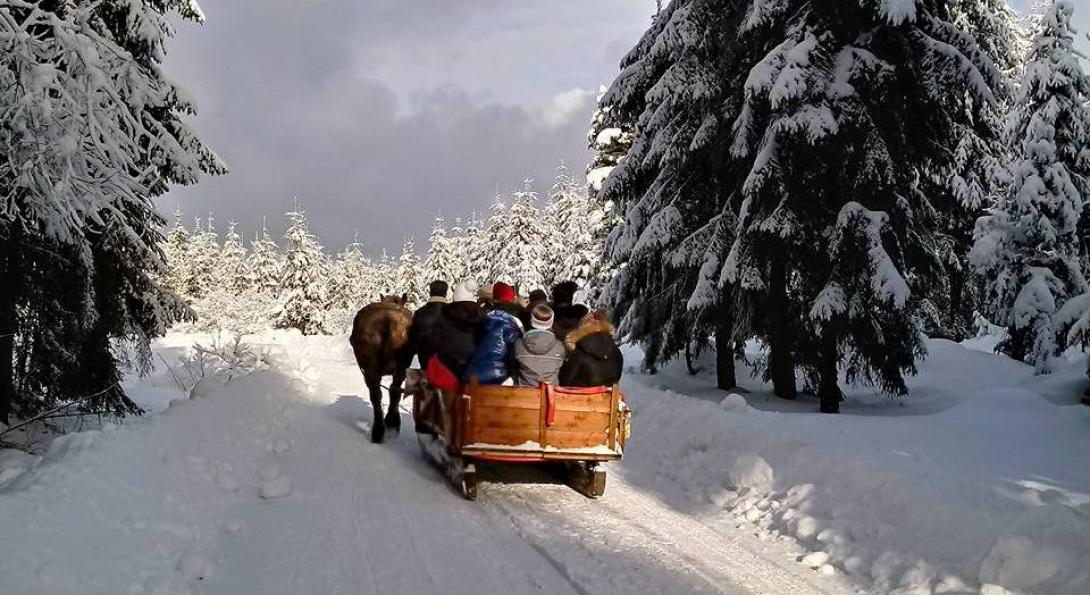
x=965 y=181
x=443 y=262
x=265 y=264
x=386 y=282
x=678 y=91
x=231 y=270
x=472 y=244
x=610 y=136
x=524 y=250
x=573 y=227
x=494 y=239
x=176 y=257
x=840 y=121
x=303 y=291
x=351 y=283
x=409 y=275
x=204 y=256
x=85 y=149
x=1029 y=246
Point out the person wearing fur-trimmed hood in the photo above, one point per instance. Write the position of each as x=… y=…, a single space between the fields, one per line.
x=594 y=358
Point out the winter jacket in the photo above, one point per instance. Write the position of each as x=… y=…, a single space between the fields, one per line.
x=424 y=332
x=594 y=359
x=538 y=356
x=567 y=317
x=496 y=338
x=457 y=332
x=513 y=309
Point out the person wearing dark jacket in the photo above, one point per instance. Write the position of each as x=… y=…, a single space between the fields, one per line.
x=457 y=328
x=423 y=333
x=594 y=359
x=568 y=314
x=496 y=337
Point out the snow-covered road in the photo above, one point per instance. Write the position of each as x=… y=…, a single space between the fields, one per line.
x=379 y=519
x=268 y=485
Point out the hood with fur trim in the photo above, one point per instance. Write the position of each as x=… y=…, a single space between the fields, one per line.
x=589 y=326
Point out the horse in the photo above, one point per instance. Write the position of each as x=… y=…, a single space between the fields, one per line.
x=380 y=342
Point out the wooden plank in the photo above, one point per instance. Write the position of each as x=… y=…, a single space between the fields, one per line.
x=563 y=440
x=505 y=417
x=598 y=402
x=515 y=402
x=571 y=420
x=506 y=436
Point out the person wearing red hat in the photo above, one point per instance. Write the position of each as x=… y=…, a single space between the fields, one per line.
x=503 y=293
x=500 y=329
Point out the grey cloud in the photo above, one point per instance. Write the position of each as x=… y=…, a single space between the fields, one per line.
x=380 y=114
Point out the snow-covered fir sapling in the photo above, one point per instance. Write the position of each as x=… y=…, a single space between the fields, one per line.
x=231 y=267
x=303 y=292
x=265 y=263
x=444 y=261
x=409 y=275
x=1030 y=246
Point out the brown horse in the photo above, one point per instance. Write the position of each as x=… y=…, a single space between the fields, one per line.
x=380 y=340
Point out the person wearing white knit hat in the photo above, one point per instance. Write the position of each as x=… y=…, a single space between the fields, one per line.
x=465 y=291
x=539 y=354
x=458 y=328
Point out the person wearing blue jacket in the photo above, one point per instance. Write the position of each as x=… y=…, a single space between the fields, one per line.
x=492 y=360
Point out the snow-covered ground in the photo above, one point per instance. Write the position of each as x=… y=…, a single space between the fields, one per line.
x=267 y=484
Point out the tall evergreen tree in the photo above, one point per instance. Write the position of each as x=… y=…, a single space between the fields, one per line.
x=523 y=250
x=1030 y=246
x=82 y=112
x=494 y=240
x=472 y=243
x=678 y=91
x=840 y=121
x=966 y=180
x=444 y=262
x=573 y=227
x=303 y=292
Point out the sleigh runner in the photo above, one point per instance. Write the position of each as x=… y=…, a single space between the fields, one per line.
x=509 y=424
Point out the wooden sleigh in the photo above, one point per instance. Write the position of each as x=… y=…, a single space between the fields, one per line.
x=578 y=427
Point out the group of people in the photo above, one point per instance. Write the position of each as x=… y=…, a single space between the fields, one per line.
x=491 y=335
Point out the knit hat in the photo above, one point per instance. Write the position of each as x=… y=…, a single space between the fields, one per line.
x=466 y=291
x=541 y=317
x=503 y=293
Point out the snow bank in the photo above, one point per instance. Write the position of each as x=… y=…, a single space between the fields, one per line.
x=976 y=482
x=141 y=507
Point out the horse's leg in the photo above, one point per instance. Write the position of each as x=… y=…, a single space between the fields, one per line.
x=374 y=387
x=393 y=415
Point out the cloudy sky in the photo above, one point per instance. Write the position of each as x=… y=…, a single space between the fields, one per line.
x=380 y=114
